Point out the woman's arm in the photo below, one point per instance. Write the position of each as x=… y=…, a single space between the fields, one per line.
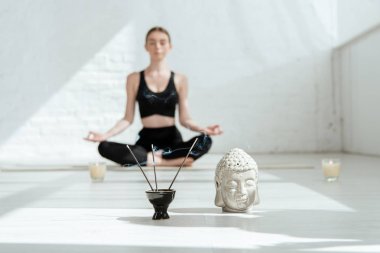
x=127 y=120
x=184 y=115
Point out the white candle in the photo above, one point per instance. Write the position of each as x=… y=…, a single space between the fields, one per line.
x=97 y=171
x=331 y=169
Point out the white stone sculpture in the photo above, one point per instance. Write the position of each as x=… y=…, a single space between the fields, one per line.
x=236 y=179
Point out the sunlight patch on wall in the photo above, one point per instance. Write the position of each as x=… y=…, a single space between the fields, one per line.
x=92 y=99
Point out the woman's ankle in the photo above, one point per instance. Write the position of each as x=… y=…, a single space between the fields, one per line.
x=189 y=162
x=177 y=162
x=157 y=159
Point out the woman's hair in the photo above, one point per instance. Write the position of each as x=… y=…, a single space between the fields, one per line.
x=157 y=29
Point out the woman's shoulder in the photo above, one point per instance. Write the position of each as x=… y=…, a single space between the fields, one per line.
x=133 y=80
x=134 y=75
x=180 y=79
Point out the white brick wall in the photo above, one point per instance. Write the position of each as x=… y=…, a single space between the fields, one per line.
x=93 y=99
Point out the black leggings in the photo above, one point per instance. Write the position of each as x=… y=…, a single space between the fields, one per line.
x=168 y=139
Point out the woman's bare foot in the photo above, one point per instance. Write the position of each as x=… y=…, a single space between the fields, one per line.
x=157 y=158
x=165 y=162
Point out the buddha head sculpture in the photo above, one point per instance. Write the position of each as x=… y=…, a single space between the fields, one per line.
x=236 y=179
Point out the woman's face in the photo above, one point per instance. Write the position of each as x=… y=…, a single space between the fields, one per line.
x=158 y=45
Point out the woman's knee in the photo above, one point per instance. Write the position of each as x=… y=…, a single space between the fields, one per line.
x=103 y=148
x=202 y=146
x=205 y=143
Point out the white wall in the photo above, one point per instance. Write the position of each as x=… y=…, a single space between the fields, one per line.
x=356 y=62
x=358 y=74
x=355 y=17
x=262 y=69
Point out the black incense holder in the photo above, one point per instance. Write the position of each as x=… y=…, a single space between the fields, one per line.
x=160 y=200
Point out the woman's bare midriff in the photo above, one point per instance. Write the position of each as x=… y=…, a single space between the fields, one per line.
x=157 y=121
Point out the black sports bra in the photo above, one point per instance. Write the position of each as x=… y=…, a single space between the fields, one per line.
x=162 y=103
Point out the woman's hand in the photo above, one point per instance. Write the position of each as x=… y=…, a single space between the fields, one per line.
x=95 y=137
x=213 y=130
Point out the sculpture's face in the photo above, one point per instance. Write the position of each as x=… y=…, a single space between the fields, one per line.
x=236 y=178
x=238 y=190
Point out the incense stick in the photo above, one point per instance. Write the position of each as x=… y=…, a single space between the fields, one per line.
x=154 y=167
x=139 y=166
x=188 y=153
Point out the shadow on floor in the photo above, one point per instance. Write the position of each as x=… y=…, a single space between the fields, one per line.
x=308 y=228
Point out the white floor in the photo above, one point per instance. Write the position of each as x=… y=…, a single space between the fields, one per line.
x=62 y=211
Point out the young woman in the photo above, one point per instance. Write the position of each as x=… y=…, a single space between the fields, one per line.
x=157 y=90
